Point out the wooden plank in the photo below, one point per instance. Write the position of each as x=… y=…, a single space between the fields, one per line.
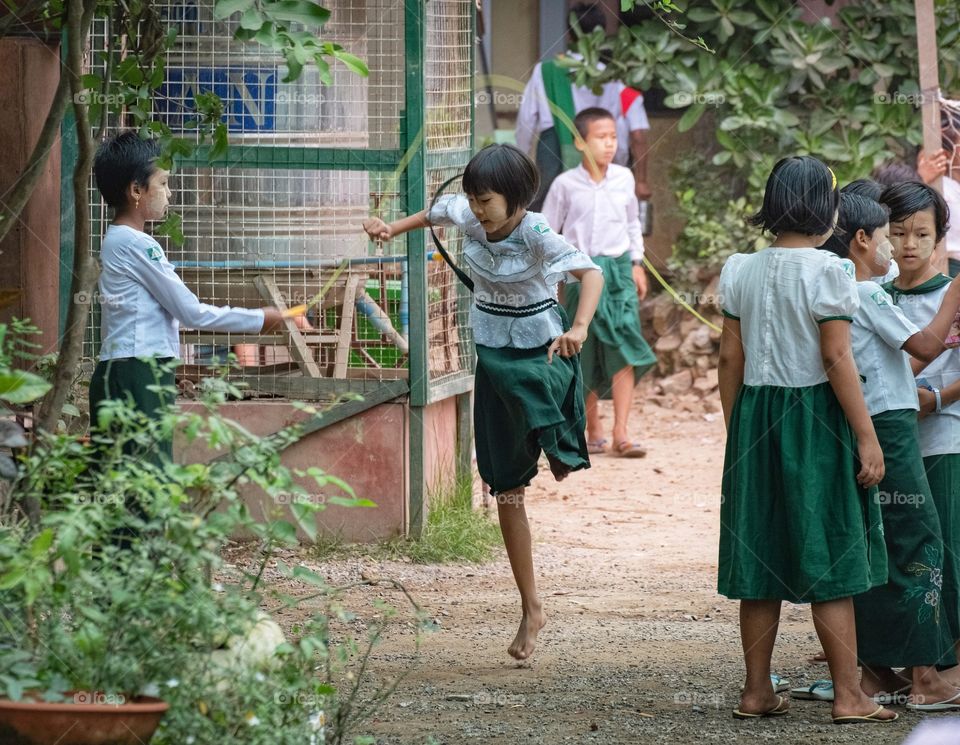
x=342 y=357
x=313 y=389
x=452 y=385
x=294 y=339
x=930 y=90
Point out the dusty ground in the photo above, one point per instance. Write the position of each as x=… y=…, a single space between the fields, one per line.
x=639 y=647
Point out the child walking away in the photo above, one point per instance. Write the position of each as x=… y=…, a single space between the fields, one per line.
x=595 y=208
x=918 y=221
x=144 y=301
x=899 y=624
x=528 y=395
x=796 y=522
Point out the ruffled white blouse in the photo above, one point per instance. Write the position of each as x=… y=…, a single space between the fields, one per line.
x=515 y=273
x=780 y=296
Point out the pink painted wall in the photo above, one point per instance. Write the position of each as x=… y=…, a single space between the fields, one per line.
x=369 y=451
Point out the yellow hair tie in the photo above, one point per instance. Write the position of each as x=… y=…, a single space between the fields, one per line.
x=834 y=177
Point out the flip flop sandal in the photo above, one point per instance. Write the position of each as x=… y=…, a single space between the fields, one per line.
x=596 y=447
x=777 y=711
x=951 y=704
x=819 y=690
x=780 y=685
x=872 y=718
x=627 y=449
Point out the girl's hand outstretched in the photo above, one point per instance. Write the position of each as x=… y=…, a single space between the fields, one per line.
x=377 y=229
x=567 y=345
x=872 y=468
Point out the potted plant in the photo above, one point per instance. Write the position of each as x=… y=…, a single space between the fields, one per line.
x=110 y=611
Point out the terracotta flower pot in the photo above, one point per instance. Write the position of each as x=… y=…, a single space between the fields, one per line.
x=31 y=722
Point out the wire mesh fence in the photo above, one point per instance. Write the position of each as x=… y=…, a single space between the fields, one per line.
x=284 y=229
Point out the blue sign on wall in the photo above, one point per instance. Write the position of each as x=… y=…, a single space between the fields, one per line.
x=248 y=94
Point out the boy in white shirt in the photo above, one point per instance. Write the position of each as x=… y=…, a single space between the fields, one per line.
x=594 y=206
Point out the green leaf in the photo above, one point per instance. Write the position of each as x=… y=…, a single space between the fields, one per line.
x=353 y=63
x=21 y=387
x=722 y=157
x=225 y=8
x=690 y=117
x=305 y=514
x=296 y=11
x=41 y=543
x=252 y=20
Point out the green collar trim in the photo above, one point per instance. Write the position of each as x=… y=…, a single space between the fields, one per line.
x=934 y=283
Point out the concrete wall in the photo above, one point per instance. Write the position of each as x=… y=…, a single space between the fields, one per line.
x=30 y=254
x=369 y=451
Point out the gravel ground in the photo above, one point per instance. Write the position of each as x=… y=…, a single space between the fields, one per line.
x=639 y=647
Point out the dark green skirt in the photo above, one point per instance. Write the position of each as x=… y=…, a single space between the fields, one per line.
x=135 y=381
x=901 y=623
x=794 y=523
x=615 y=340
x=943 y=474
x=523 y=405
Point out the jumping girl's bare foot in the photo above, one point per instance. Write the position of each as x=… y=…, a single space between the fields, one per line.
x=558 y=468
x=526 y=639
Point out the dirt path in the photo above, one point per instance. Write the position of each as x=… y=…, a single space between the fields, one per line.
x=639 y=647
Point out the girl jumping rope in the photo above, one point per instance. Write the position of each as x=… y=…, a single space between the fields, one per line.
x=528 y=394
x=796 y=522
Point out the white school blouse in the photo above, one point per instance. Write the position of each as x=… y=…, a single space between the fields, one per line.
x=601 y=219
x=939 y=433
x=880 y=329
x=144 y=301
x=780 y=296
x=519 y=271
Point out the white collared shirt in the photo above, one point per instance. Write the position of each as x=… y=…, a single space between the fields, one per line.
x=599 y=218
x=144 y=301
x=534 y=115
x=951 y=195
x=880 y=329
x=939 y=433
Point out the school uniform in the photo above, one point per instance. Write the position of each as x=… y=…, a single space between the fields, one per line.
x=522 y=403
x=602 y=220
x=795 y=525
x=940 y=438
x=901 y=623
x=143 y=303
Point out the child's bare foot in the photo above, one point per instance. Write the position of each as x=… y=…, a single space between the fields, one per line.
x=558 y=468
x=526 y=639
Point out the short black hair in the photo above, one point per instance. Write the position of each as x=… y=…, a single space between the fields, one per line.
x=800 y=197
x=585 y=118
x=589 y=16
x=856 y=213
x=895 y=172
x=863 y=187
x=504 y=170
x=909 y=197
x=124 y=159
